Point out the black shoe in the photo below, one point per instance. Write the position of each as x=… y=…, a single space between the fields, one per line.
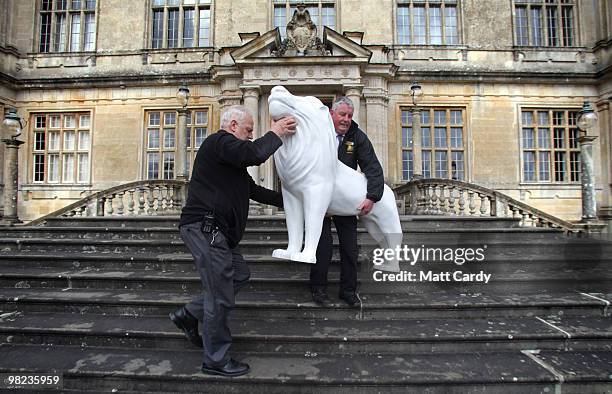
x=350 y=298
x=231 y=368
x=319 y=296
x=188 y=324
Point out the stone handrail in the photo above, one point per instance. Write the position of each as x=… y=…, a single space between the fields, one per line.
x=150 y=197
x=434 y=196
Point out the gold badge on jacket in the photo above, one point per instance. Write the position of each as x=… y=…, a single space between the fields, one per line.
x=349 y=146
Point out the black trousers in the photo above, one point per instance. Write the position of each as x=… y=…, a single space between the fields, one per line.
x=346 y=227
x=223 y=272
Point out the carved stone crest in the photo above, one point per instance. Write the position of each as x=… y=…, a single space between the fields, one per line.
x=302 y=37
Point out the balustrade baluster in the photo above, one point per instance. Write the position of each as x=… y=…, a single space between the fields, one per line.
x=483 y=206
x=472 y=203
x=151 y=199
x=451 y=200
x=120 y=205
x=461 y=202
x=109 y=208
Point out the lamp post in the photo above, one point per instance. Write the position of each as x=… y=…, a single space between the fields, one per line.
x=13 y=126
x=586 y=121
x=182 y=163
x=416 y=92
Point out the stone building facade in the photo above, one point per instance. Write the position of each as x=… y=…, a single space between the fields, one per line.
x=503 y=81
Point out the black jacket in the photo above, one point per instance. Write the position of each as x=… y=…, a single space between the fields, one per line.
x=356 y=149
x=220 y=182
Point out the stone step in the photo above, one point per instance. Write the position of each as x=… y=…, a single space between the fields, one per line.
x=86 y=369
x=184 y=262
x=412 y=236
x=323 y=336
x=508 y=248
x=499 y=278
x=254 y=304
x=278 y=221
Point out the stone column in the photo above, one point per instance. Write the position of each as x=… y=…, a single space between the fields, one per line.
x=354 y=93
x=10 y=216
x=605 y=143
x=587 y=178
x=181 y=161
x=417 y=162
x=251 y=102
x=377 y=127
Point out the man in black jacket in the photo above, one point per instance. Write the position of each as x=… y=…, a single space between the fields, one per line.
x=354 y=148
x=212 y=223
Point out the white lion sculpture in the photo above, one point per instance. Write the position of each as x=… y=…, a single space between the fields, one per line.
x=315 y=182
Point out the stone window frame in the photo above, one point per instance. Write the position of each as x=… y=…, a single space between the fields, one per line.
x=291 y=5
x=67 y=9
x=536 y=145
x=41 y=124
x=545 y=30
x=162 y=148
x=167 y=6
x=427 y=4
x=405 y=142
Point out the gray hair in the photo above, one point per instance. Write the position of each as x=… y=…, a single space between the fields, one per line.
x=235 y=112
x=342 y=100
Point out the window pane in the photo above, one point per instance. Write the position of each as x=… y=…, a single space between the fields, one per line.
x=407 y=137
x=152 y=166
x=39 y=141
x=560 y=170
x=169 y=138
x=573 y=138
x=90 y=32
x=529 y=166
x=450 y=18
x=559 y=141
x=456 y=117
x=54 y=140
x=168 y=165
x=154 y=119
x=543 y=138
x=527 y=118
x=45 y=33
x=40 y=122
x=456 y=137
x=426 y=137
x=158 y=29
x=83 y=140
x=440 y=137
x=543 y=118
x=69 y=140
x=69 y=122
x=153 y=135
x=76 y=5
x=173 y=26
x=457 y=166
x=68 y=168
x=84 y=121
x=188 y=28
x=54 y=122
x=553 y=26
x=575 y=166
x=441 y=165
x=528 y=140
x=201 y=117
x=169 y=118
x=75 y=38
x=435 y=25
x=39 y=168
x=60 y=32
x=403 y=24
x=439 y=117
x=83 y=170
x=537 y=27
x=567 y=20
x=200 y=134
x=407 y=165
x=90 y=4
x=426 y=160
x=544 y=170
x=204 y=31
x=328 y=16
x=419 y=25
x=522 y=34
x=53 y=169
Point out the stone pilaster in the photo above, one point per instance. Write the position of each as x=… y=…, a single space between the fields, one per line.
x=377 y=126
x=354 y=93
x=605 y=143
x=11 y=185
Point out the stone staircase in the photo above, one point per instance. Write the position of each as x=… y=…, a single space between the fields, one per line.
x=89 y=298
